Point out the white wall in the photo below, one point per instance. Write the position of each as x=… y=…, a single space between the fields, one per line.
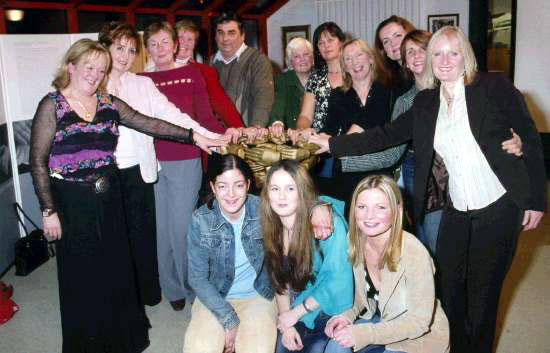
x=293 y=13
x=532 y=75
x=358 y=17
x=461 y=7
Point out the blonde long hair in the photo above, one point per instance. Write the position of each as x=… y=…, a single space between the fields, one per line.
x=392 y=251
x=82 y=49
x=428 y=79
x=364 y=47
x=300 y=253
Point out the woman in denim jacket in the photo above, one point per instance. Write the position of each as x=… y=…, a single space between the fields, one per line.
x=313 y=279
x=234 y=309
x=234 y=306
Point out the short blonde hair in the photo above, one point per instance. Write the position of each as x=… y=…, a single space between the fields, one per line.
x=364 y=47
x=392 y=252
x=293 y=45
x=470 y=64
x=82 y=49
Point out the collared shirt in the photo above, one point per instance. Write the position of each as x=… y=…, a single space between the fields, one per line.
x=237 y=54
x=183 y=61
x=472 y=183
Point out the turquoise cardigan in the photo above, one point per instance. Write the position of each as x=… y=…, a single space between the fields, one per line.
x=333 y=286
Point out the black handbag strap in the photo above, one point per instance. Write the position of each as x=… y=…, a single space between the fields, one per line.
x=17 y=208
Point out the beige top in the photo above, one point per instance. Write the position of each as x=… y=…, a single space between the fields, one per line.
x=412 y=319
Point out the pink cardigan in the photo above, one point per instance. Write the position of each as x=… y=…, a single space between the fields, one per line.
x=141 y=94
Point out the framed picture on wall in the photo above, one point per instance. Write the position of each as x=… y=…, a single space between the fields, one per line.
x=291 y=32
x=435 y=22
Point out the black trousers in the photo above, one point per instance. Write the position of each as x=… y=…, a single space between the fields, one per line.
x=474 y=252
x=138 y=199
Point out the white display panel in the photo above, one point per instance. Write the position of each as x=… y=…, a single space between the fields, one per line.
x=28 y=67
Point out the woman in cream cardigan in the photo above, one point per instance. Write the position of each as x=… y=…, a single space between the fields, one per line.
x=395 y=309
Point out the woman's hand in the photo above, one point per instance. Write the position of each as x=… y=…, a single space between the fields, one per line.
x=513 y=145
x=291 y=340
x=321 y=220
x=531 y=219
x=229 y=345
x=233 y=134
x=205 y=143
x=304 y=134
x=344 y=337
x=277 y=129
x=287 y=319
x=52 y=226
x=320 y=140
x=355 y=129
x=336 y=323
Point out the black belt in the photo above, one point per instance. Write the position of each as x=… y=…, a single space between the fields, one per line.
x=100 y=185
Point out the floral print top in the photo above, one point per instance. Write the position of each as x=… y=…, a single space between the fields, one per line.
x=319 y=85
x=80 y=147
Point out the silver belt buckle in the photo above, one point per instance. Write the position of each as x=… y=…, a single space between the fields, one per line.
x=101 y=185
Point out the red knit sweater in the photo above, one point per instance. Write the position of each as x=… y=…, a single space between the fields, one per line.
x=186 y=89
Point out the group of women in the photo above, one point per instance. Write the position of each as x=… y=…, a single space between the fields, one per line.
x=263 y=282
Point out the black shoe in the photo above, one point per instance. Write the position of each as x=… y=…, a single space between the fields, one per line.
x=178 y=305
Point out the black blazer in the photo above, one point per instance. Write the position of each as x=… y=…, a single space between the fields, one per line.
x=494 y=106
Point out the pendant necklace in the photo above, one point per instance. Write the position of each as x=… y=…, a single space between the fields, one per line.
x=87 y=114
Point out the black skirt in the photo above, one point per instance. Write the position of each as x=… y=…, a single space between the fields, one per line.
x=100 y=311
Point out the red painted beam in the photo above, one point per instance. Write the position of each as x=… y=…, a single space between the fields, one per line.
x=176 y=5
x=274 y=8
x=3 y=29
x=212 y=7
x=37 y=5
x=102 y=8
x=189 y=12
x=72 y=20
x=262 y=24
x=134 y=5
x=244 y=7
x=76 y=3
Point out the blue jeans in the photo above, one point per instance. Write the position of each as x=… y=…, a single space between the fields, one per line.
x=407 y=172
x=431 y=229
x=334 y=347
x=313 y=340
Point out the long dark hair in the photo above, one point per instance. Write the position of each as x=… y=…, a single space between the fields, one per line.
x=335 y=31
x=300 y=252
x=217 y=165
x=388 y=75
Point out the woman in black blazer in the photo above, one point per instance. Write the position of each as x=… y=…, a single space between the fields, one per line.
x=463 y=117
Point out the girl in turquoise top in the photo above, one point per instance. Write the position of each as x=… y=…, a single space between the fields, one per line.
x=312 y=279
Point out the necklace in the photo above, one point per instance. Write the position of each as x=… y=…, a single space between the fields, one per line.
x=335 y=72
x=87 y=114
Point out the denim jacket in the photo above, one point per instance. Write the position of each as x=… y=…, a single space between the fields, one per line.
x=211 y=258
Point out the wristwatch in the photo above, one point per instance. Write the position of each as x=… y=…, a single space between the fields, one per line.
x=47 y=212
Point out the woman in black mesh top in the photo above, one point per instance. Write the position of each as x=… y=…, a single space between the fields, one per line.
x=73 y=138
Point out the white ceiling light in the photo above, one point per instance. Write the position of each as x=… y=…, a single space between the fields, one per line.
x=14 y=15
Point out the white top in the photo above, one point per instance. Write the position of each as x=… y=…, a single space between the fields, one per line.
x=135 y=147
x=472 y=183
x=237 y=54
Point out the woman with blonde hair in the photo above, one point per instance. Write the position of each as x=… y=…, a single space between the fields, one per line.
x=359 y=104
x=73 y=138
x=464 y=116
x=312 y=279
x=395 y=309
